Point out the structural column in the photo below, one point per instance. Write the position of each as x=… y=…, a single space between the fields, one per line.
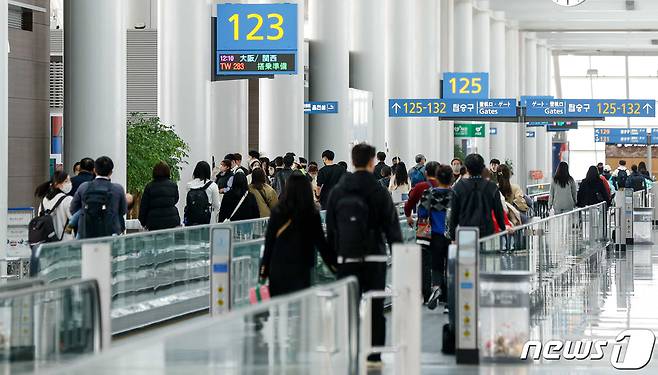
x=184 y=76
x=281 y=105
x=330 y=76
x=446 y=138
x=95 y=81
x=543 y=138
x=229 y=116
x=497 y=81
x=400 y=76
x=424 y=130
x=368 y=61
x=463 y=41
x=530 y=154
x=4 y=135
x=482 y=62
x=512 y=78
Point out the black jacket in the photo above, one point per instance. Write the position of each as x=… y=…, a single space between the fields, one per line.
x=80 y=179
x=592 y=192
x=222 y=179
x=288 y=258
x=636 y=182
x=248 y=209
x=157 y=209
x=378 y=170
x=462 y=212
x=383 y=214
x=280 y=179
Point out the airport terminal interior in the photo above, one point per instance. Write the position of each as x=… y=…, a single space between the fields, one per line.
x=328 y=186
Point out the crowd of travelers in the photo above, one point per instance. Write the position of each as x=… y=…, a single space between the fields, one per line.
x=362 y=217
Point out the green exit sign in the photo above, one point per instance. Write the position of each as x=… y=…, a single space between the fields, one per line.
x=470 y=130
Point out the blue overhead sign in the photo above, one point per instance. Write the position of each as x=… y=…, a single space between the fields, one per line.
x=256 y=39
x=621 y=135
x=536 y=124
x=525 y=99
x=456 y=108
x=465 y=85
x=319 y=108
x=561 y=126
x=591 y=108
x=530 y=134
x=493 y=131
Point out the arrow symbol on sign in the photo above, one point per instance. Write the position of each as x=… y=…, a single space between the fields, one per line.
x=647 y=107
x=396 y=107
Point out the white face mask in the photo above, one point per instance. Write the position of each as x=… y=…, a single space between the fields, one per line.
x=66 y=187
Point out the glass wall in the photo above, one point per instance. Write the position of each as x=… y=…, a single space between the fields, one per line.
x=604 y=77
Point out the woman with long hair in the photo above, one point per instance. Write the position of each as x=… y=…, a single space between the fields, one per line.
x=238 y=203
x=563 y=193
x=399 y=185
x=265 y=195
x=293 y=234
x=512 y=192
x=591 y=189
x=55 y=201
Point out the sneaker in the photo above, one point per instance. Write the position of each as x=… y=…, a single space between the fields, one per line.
x=434 y=299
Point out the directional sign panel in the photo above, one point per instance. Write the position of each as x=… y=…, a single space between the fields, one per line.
x=530 y=134
x=536 y=124
x=621 y=135
x=493 y=131
x=320 y=108
x=525 y=99
x=455 y=108
x=591 y=108
x=561 y=126
x=470 y=130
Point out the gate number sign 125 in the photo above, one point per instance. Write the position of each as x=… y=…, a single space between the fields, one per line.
x=466 y=86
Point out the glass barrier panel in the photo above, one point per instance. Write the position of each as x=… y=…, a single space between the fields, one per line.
x=43 y=325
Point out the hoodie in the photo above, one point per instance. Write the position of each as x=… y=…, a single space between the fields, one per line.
x=383 y=216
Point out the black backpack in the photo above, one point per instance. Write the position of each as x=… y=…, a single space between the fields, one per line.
x=197 y=206
x=353 y=225
x=42 y=228
x=622 y=175
x=97 y=213
x=476 y=212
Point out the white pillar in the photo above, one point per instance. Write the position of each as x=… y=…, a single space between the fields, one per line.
x=463 y=39
x=497 y=81
x=95 y=81
x=530 y=152
x=400 y=76
x=4 y=135
x=424 y=130
x=512 y=78
x=481 y=62
x=281 y=105
x=330 y=77
x=543 y=140
x=368 y=45
x=446 y=138
x=184 y=77
x=141 y=12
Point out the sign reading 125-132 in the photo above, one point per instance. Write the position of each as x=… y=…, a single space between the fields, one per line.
x=465 y=85
x=256 y=39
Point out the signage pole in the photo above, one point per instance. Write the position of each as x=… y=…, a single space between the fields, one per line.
x=466 y=307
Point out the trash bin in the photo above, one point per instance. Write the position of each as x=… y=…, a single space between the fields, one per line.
x=504 y=315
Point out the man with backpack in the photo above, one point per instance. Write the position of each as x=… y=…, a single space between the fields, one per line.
x=417 y=172
x=636 y=181
x=103 y=203
x=361 y=220
x=620 y=175
x=473 y=200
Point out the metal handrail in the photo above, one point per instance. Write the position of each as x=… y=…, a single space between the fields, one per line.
x=535 y=223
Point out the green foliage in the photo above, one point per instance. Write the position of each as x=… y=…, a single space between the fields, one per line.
x=459 y=152
x=151 y=141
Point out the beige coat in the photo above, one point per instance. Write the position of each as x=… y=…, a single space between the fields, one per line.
x=266 y=198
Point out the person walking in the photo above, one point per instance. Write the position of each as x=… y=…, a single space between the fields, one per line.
x=361 y=220
x=381 y=157
x=281 y=176
x=417 y=172
x=202 y=199
x=293 y=233
x=635 y=180
x=512 y=192
x=157 y=209
x=591 y=189
x=55 y=201
x=563 y=193
x=239 y=203
x=85 y=174
x=400 y=185
x=265 y=195
x=328 y=177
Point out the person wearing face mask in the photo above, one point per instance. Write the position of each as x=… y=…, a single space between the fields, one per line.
x=55 y=199
x=456 y=165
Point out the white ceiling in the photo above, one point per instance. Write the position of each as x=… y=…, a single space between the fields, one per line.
x=603 y=25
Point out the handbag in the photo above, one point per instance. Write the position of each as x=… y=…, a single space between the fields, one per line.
x=259 y=294
x=228 y=219
x=513 y=214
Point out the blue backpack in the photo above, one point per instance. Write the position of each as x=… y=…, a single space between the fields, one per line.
x=434 y=203
x=417 y=175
